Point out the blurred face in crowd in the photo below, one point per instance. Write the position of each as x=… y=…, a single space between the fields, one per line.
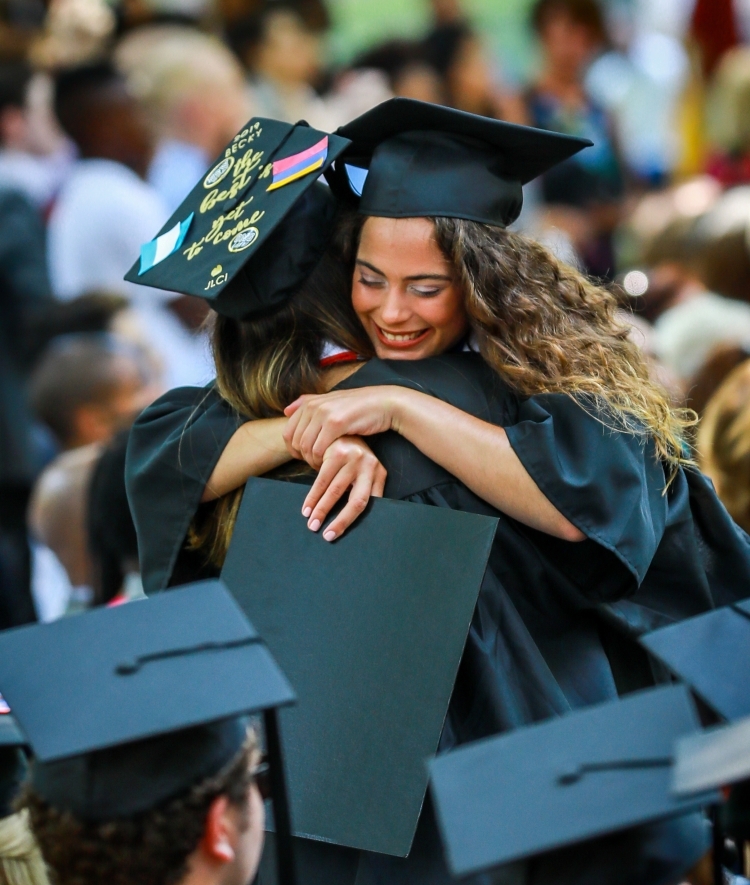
x=569 y=45
x=289 y=52
x=117 y=408
x=111 y=125
x=421 y=82
x=404 y=291
x=469 y=77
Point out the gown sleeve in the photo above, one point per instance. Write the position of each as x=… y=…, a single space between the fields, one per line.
x=173 y=448
x=608 y=483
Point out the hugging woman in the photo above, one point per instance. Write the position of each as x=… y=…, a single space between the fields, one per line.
x=502 y=384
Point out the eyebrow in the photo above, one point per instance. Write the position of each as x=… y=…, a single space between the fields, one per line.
x=411 y=279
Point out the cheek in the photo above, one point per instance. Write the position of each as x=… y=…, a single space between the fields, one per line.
x=364 y=299
x=445 y=313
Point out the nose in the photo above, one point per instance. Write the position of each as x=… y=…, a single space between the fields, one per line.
x=395 y=308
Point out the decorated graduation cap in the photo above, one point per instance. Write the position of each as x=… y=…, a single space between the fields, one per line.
x=254 y=227
x=410 y=158
x=708 y=652
x=594 y=772
x=370 y=630
x=126 y=708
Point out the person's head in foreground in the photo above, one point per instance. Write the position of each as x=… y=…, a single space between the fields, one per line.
x=435 y=266
x=208 y=834
x=145 y=770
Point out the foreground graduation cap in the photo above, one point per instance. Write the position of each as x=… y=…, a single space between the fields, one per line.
x=370 y=630
x=710 y=652
x=127 y=707
x=261 y=192
x=410 y=158
x=587 y=774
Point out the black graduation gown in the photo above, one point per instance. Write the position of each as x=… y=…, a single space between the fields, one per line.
x=552 y=617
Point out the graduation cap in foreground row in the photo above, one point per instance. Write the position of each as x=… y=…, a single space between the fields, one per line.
x=254 y=227
x=411 y=158
x=126 y=708
x=370 y=630
x=587 y=774
x=710 y=652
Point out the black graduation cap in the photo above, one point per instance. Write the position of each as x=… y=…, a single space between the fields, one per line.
x=370 y=630
x=410 y=158
x=12 y=759
x=564 y=781
x=708 y=652
x=127 y=707
x=254 y=227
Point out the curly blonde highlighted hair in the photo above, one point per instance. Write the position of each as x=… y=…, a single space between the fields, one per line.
x=545 y=328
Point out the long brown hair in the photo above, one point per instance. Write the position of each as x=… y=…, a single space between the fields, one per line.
x=264 y=364
x=545 y=328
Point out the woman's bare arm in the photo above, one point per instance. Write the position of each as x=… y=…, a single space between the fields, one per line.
x=254 y=449
x=475 y=452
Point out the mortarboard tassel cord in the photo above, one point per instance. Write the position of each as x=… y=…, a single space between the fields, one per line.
x=128 y=668
x=576 y=774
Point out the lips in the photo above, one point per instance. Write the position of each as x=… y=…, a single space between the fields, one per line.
x=401 y=339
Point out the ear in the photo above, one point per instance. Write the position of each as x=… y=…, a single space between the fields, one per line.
x=219 y=833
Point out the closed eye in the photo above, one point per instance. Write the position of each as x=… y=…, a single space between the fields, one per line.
x=371 y=282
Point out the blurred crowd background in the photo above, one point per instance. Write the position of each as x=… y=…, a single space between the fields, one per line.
x=110 y=110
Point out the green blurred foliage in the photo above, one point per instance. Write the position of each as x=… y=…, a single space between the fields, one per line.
x=358 y=24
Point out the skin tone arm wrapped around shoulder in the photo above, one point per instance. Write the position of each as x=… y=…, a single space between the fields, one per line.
x=475 y=452
x=258 y=447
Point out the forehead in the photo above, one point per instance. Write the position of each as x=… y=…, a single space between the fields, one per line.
x=401 y=246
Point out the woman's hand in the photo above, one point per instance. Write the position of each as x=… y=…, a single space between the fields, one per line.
x=315 y=422
x=347 y=463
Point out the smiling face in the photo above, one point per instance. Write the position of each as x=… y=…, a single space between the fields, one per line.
x=404 y=291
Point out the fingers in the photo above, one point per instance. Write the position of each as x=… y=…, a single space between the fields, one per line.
x=314 y=508
x=293 y=407
x=355 y=506
x=349 y=463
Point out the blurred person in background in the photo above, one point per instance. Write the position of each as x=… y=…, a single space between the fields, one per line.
x=407 y=69
x=112 y=542
x=582 y=195
x=106 y=211
x=724 y=443
x=35 y=156
x=282 y=56
x=281 y=50
x=459 y=56
x=192 y=89
x=24 y=297
x=86 y=388
x=728 y=119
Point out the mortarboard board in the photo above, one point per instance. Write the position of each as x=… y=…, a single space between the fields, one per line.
x=128 y=707
x=423 y=159
x=564 y=781
x=370 y=630
x=708 y=652
x=254 y=227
